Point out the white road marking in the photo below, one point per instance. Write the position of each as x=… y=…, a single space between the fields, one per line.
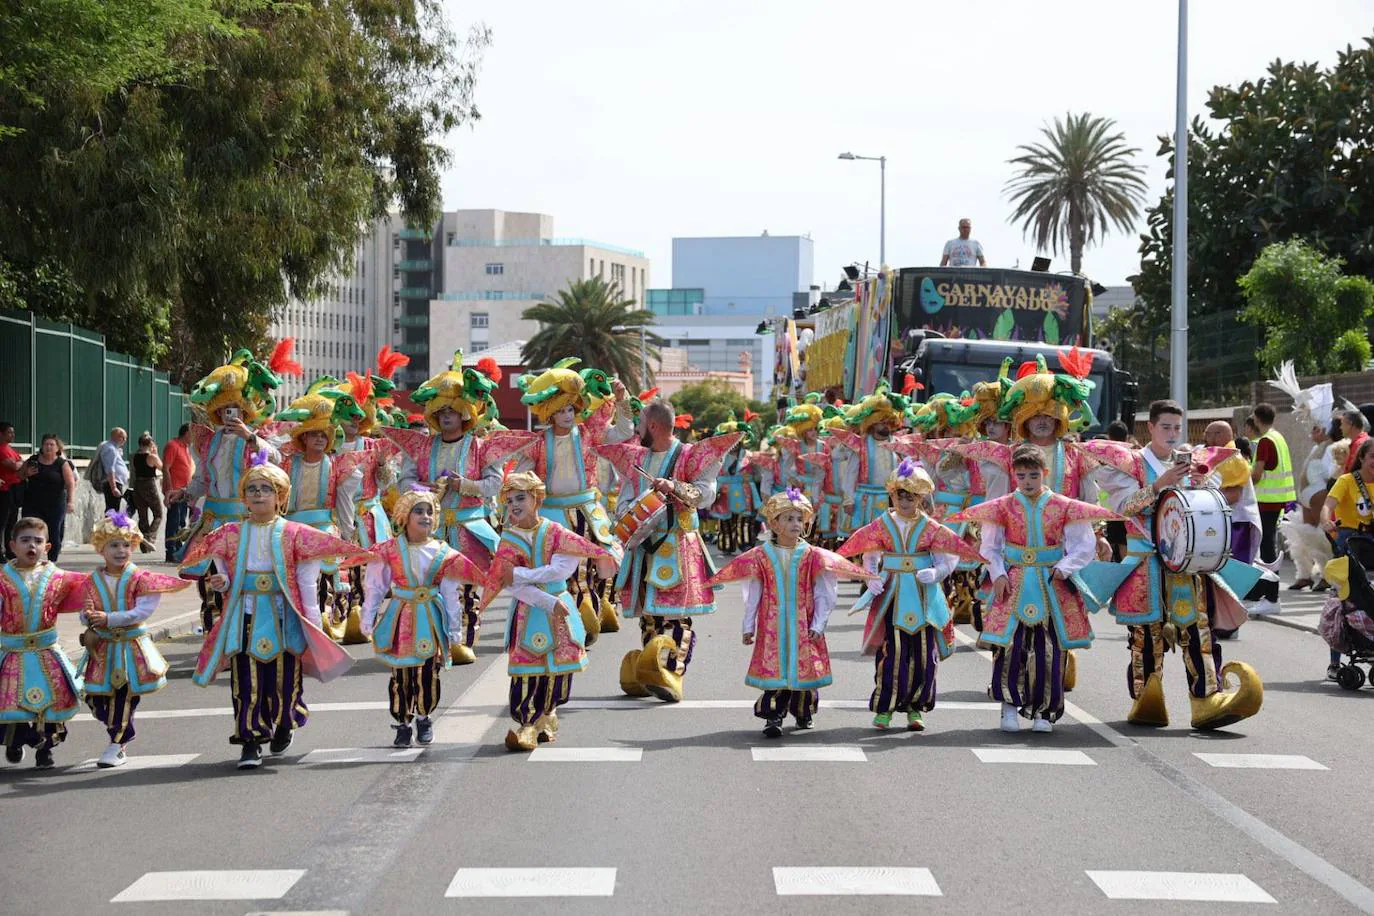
x=545 y=754
x=632 y=703
x=1179 y=885
x=363 y=755
x=840 y=881
x=137 y=762
x=1260 y=761
x=200 y=711
x=261 y=884
x=1065 y=758
x=532 y=882
x=835 y=753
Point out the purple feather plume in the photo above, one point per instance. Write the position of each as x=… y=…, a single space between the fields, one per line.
x=260 y=458
x=793 y=493
x=120 y=519
x=906 y=468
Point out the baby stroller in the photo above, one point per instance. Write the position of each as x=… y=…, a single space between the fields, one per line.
x=1347 y=623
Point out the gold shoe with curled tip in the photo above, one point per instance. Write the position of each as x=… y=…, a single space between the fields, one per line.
x=1149 y=708
x=461 y=655
x=650 y=672
x=629 y=683
x=1222 y=709
x=610 y=620
x=1070 y=672
x=547 y=728
x=353 y=627
x=591 y=622
x=524 y=738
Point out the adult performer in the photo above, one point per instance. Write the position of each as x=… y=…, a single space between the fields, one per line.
x=872 y=421
x=663 y=580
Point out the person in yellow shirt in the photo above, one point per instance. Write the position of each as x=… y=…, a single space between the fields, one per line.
x=1349 y=511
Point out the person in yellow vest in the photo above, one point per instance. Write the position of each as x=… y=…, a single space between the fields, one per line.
x=1272 y=474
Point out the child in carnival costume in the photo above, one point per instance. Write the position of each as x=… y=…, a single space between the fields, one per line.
x=872 y=421
x=804 y=421
x=739 y=499
x=455 y=401
x=910 y=628
x=317 y=473
x=765 y=465
x=663 y=580
x=412 y=610
x=269 y=634
x=563 y=454
x=121 y=664
x=544 y=633
x=234 y=399
x=38 y=685
x=790 y=589
x=1035 y=543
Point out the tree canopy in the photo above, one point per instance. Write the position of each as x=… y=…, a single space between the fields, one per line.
x=210 y=165
x=711 y=401
x=594 y=322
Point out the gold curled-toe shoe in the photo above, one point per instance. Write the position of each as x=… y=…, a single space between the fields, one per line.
x=1070 y=671
x=1149 y=707
x=629 y=683
x=547 y=727
x=462 y=655
x=353 y=627
x=610 y=620
x=1223 y=709
x=591 y=622
x=524 y=738
x=650 y=672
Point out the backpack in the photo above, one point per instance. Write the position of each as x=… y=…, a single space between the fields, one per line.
x=95 y=472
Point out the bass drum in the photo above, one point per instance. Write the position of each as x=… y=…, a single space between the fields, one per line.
x=1192 y=530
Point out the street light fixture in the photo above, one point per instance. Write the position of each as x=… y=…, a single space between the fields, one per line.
x=882 y=202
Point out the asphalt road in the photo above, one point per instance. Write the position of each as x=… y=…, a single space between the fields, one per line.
x=671 y=810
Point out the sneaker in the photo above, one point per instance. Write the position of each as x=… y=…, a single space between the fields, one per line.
x=1263 y=606
x=882 y=720
x=402 y=736
x=424 y=730
x=43 y=759
x=1300 y=584
x=773 y=729
x=805 y=723
x=1041 y=725
x=251 y=756
x=281 y=740
x=914 y=722
x=1332 y=673
x=113 y=757
x=14 y=753
x=1011 y=720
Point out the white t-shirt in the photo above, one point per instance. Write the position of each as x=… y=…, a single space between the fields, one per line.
x=963 y=252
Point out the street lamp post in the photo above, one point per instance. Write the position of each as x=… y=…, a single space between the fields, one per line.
x=882 y=202
x=1178 y=334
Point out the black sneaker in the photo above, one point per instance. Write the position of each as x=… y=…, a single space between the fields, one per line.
x=773 y=729
x=805 y=723
x=43 y=759
x=14 y=753
x=281 y=740
x=402 y=736
x=424 y=730
x=251 y=757
x=1333 y=672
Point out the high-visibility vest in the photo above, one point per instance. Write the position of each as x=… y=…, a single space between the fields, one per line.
x=1276 y=486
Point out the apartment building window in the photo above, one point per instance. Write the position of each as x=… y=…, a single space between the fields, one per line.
x=618 y=275
x=591 y=266
x=478 y=319
x=448 y=238
x=495 y=269
x=601 y=269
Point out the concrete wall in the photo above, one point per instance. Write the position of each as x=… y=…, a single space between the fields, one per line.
x=753 y=275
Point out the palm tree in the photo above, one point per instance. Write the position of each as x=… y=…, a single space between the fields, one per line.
x=1071 y=187
x=590 y=320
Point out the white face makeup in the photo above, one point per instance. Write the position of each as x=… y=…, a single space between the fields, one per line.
x=450 y=422
x=563 y=418
x=520 y=509
x=1041 y=426
x=420 y=522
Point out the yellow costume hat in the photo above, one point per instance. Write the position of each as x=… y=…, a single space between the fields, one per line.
x=988 y=396
x=791 y=498
x=872 y=410
x=263 y=469
x=804 y=418
x=553 y=389
x=245 y=383
x=115 y=525
x=910 y=477
x=527 y=481
x=1038 y=391
x=321 y=409
x=465 y=390
x=409 y=500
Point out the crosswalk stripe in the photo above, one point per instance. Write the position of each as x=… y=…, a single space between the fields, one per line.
x=586 y=755
x=532 y=882
x=199 y=711
x=1260 y=761
x=259 y=884
x=363 y=755
x=1179 y=885
x=1031 y=755
x=633 y=703
x=149 y=762
x=862 y=881
x=835 y=753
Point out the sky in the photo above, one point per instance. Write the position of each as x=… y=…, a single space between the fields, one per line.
x=634 y=122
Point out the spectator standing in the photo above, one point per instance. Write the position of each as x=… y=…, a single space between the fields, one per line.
x=115 y=469
x=1349 y=510
x=10 y=464
x=177 y=469
x=963 y=251
x=50 y=490
x=1272 y=474
x=146 y=497
x=1353 y=428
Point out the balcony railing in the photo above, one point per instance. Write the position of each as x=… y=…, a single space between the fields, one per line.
x=413 y=349
x=543 y=243
x=415 y=234
x=413 y=321
x=413 y=292
x=490 y=295
x=422 y=264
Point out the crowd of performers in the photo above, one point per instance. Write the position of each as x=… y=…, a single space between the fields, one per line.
x=335 y=520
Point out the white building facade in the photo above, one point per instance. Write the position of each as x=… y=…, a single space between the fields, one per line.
x=713 y=343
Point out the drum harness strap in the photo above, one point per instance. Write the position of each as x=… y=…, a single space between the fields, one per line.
x=652 y=546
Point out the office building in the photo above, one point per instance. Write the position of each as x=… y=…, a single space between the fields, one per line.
x=749 y=275
x=713 y=343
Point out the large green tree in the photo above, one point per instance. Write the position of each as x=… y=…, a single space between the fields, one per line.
x=594 y=322
x=711 y=401
x=1291 y=157
x=233 y=162
x=1078 y=182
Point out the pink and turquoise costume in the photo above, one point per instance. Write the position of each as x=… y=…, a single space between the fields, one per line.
x=38 y=685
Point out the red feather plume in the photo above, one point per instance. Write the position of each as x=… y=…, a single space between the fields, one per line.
x=749 y=415
x=388 y=361
x=360 y=386
x=909 y=384
x=415 y=418
x=281 y=362
x=1076 y=363
x=648 y=394
x=487 y=366
x=683 y=421
x=1027 y=368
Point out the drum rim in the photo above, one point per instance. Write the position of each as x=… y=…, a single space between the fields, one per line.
x=1225 y=555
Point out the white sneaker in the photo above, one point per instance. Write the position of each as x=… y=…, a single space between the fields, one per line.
x=1263 y=606
x=1042 y=725
x=1011 y=720
x=113 y=757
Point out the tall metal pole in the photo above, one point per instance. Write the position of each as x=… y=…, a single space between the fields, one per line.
x=882 y=213
x=643 y=358
x=1178 y=335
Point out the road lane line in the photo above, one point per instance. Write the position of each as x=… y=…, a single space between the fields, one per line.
x=199 y=711
x=1260 y=761
x=260 y=884
x=545 y=754
x=632 y=703
x=835 y=753
x=132 y=762
x=532 y=882
x=363 y=755
x=833 y=881
x=1032 y=755
x=1179 y=885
